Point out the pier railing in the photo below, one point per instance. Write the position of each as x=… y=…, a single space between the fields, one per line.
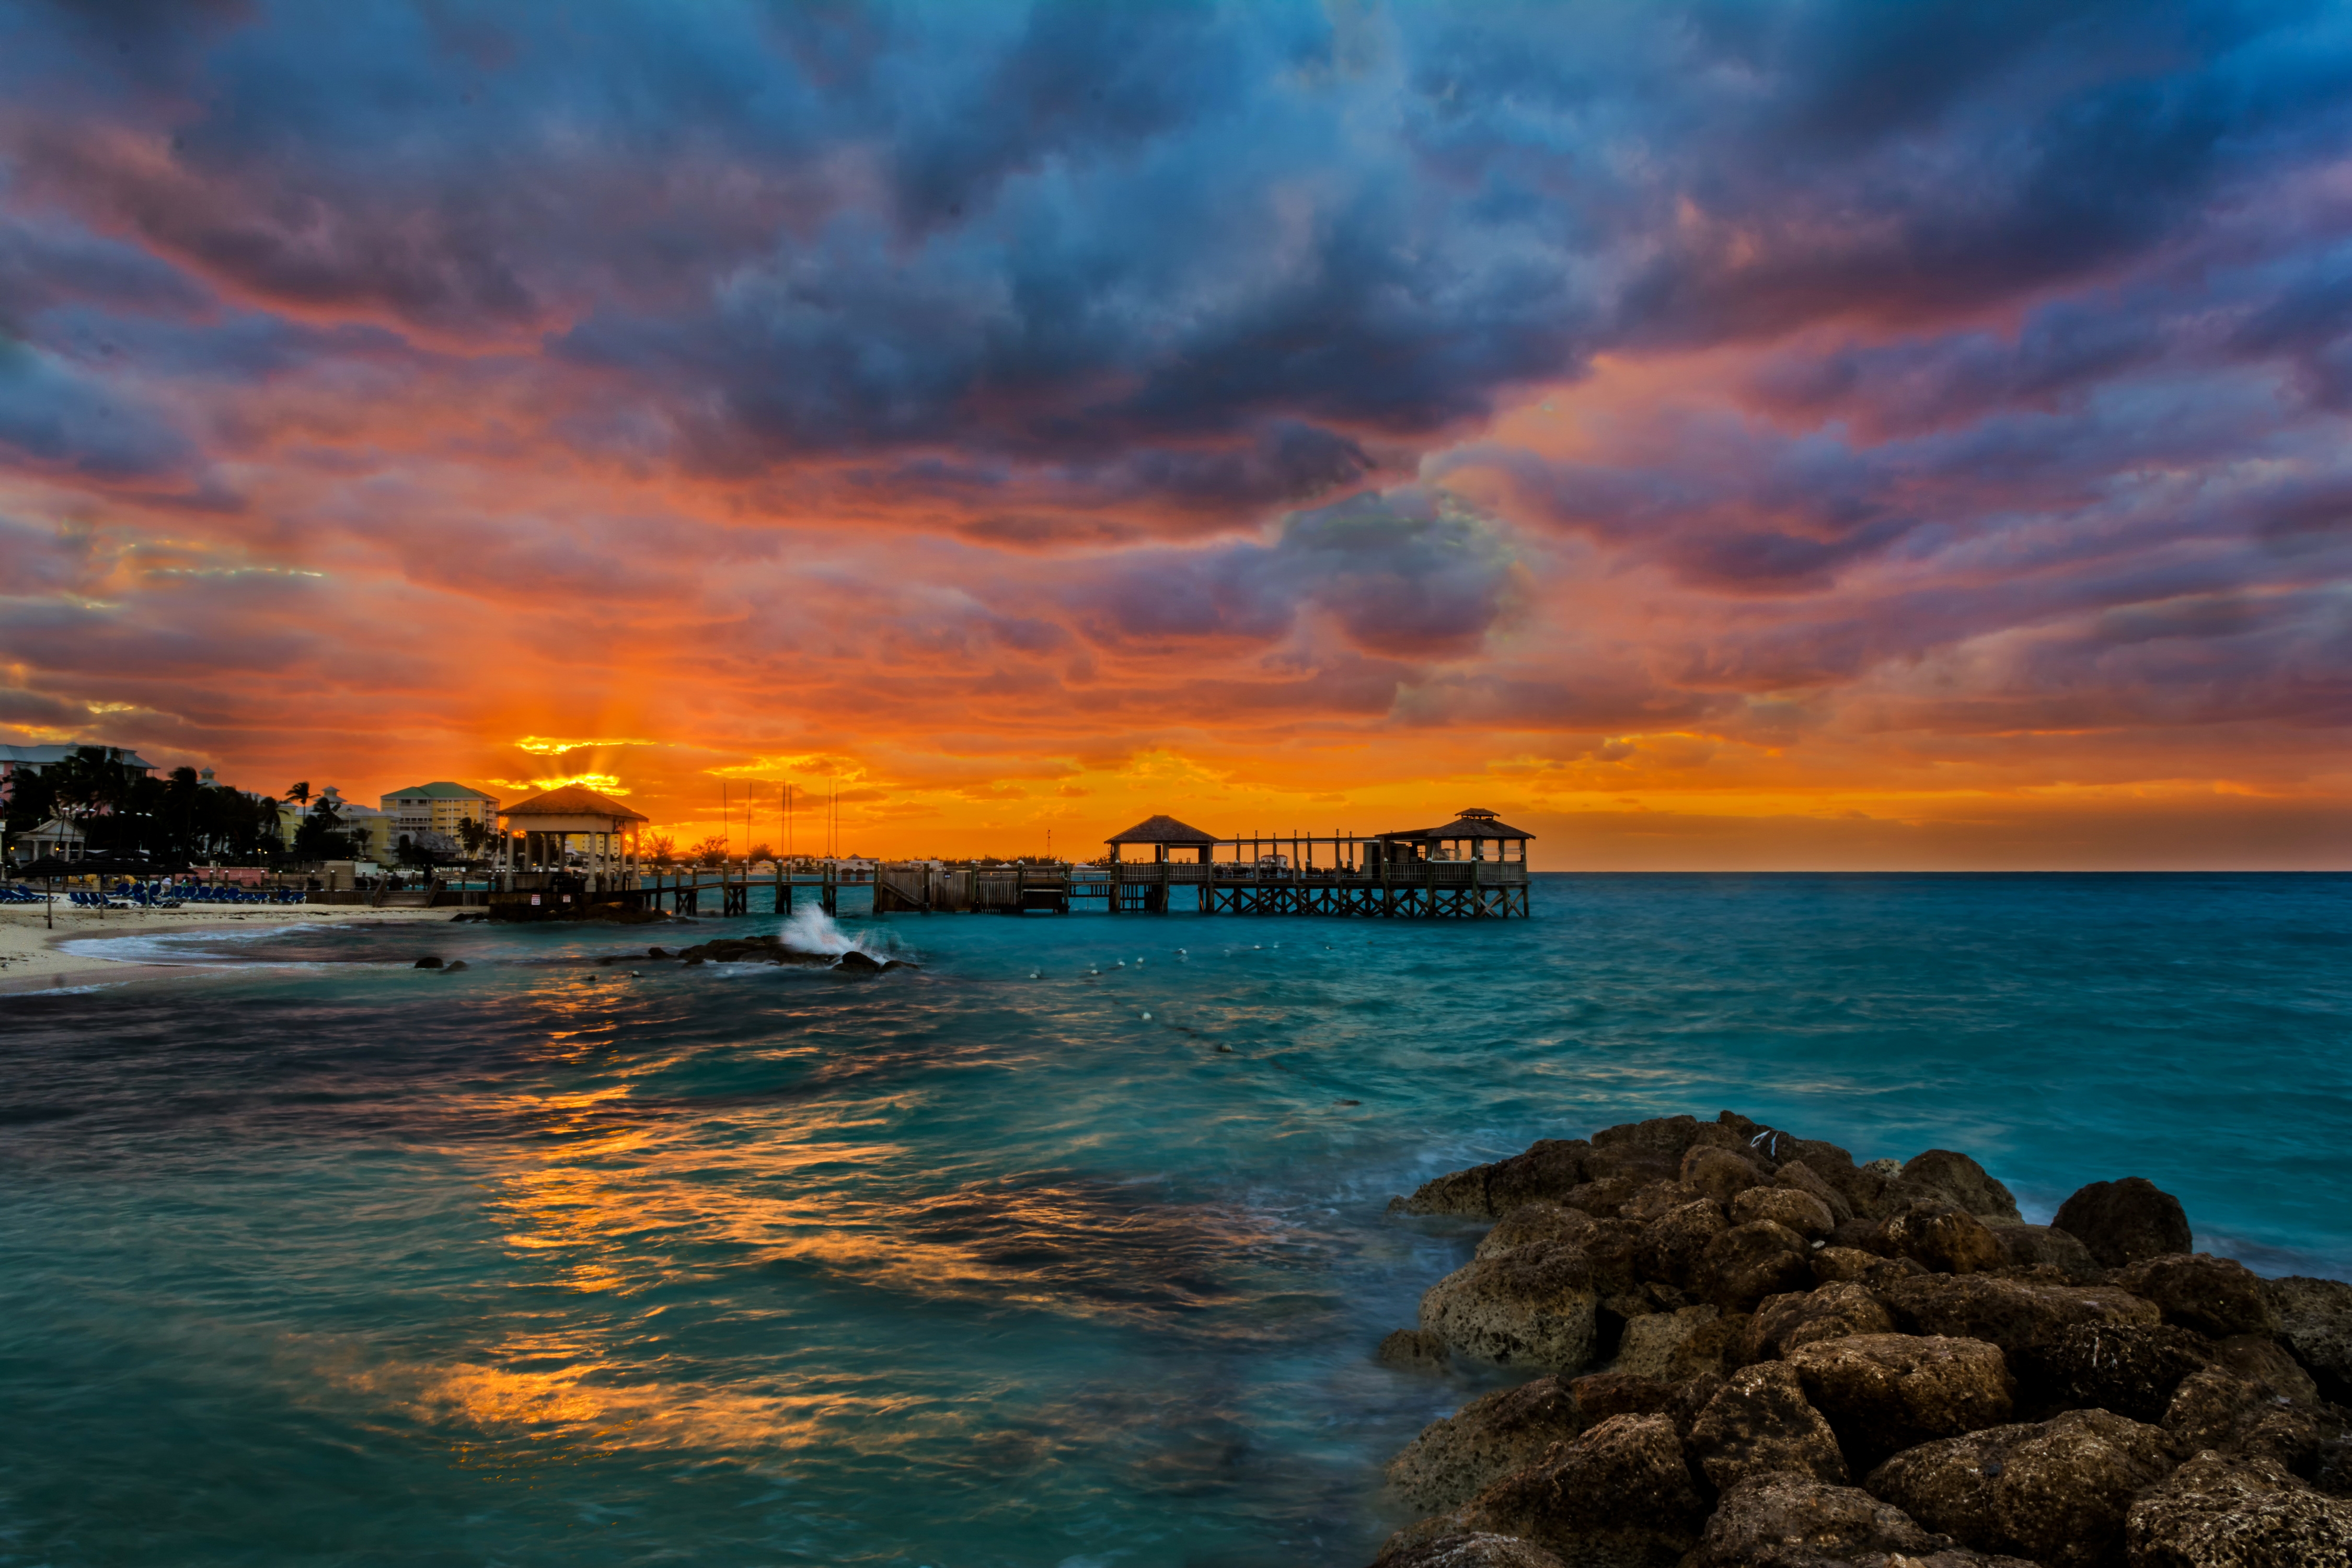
x=1469 y=890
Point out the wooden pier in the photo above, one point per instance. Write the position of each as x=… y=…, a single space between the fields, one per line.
x=1463 y=871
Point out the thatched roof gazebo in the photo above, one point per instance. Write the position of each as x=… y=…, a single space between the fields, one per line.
x=549 y=821
x=1162 y=834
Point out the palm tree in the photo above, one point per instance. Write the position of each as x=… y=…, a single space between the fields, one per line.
x=299 y=793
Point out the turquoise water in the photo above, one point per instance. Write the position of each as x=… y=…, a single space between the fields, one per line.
x=316 y=1259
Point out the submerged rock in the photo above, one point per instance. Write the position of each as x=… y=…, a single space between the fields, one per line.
x=2056 y=1492
x=1416 y=1350
x=2125 y=1221
x=427 y=961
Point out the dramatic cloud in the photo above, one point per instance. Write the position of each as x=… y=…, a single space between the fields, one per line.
x=1636 y=417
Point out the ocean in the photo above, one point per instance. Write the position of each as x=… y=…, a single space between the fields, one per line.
x=1069 y=1248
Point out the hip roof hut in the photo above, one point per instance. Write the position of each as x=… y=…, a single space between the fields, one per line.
x=1162 y=834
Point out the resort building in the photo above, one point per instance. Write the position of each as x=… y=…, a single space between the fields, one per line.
x=440 y=807
x=38 y=759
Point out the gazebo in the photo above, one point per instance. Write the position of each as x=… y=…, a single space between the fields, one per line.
x=1162 y=833
x=549 y=823
x=1472 y=830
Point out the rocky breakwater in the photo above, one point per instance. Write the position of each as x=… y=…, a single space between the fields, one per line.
x=1756 y=1352
x=772 y=948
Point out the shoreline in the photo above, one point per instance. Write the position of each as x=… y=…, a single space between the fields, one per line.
x=32 y=959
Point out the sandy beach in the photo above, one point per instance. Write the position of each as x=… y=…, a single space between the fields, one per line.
x=32 y=959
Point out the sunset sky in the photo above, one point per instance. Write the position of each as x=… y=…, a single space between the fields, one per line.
x=1718 y=434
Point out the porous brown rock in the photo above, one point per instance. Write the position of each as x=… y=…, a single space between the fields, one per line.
x=1943 y=1239
x=1798 y=1318
x=1759 y=1421
x=1648 y=1151
x=1945 y=1178
x=1834 y=1263
x=1748 y=1262
x=1657 y=1199
x=1673 y=1245
x=1798 y=1176
x=1414 y=1349
x=2263 y=1362
x=2056 y=1492
x=1472 y=1551
x=2011 y=1313
x=1785 y=1520
x=2218 y=1512
x=1674 y=1347
x=1718 y=1173
x=2129 y=1368
x=2316 y=1320
x=1887 y=1393
x=1455 y=1459
x=1800 y=1211
x=2031 y=1246
x=1533 y=1306
x=1546 y=1223
x=1618 y=1496
x=2219 y=1410
x=1603 y=1199
x=2122 y=1222
x=2214 y=1296
x=1548 y=1170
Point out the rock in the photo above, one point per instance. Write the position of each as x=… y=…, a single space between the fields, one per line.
x=1940 y=1176
x=1759 y=1422
x=2011 y=1313
x=693 y=960
x=2122 y=1222
x=1616 y=1249
x=1801 y=1211
x=1533 y=1306
x=1674 y=1247
x=2055 y=1492
x=2027 y=1245
x=2217 y=1409
x=2214 y=1296
x=1650 y=1151
x=2215 y=1512
x=1455 y=1459
x=856 y=962
x=1718 y=1173
x=1601 y=1395
x=1797 y=1176
x=1655 y=1200
x=1784 y=1521
x=1887 y=1393
x=1545 y=1223
x=1414 y=1349
x=1549 y=1171
x=1618 y=1496
x=2316 y=1320
x=1748 y=1262
x=1945 y=1239
x=1460 y=1551
x=1456 y=1192
x=1831 y=1264
x=657 y=952
x=2263 y=1362
x=2131 y=1369
x=1674 y=1347
x=1827 y=1312
x=427 y=961
x=1603 y=1199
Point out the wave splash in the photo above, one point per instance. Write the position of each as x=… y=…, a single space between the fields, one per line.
x=811 y=929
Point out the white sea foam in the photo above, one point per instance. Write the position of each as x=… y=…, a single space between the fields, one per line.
x=811 y=929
